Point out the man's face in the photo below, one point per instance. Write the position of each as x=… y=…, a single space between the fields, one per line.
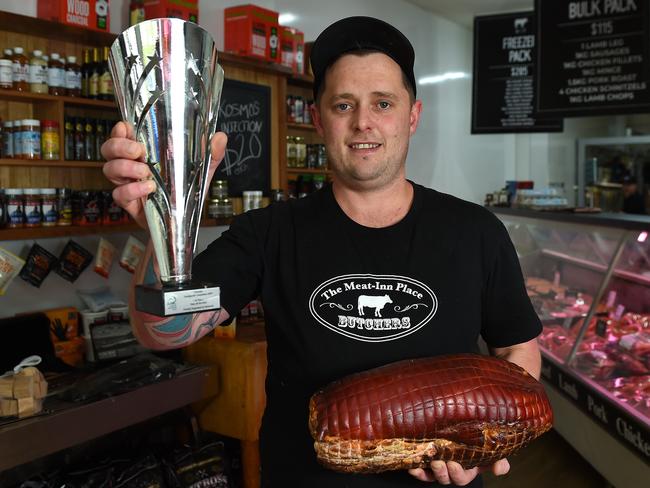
x=366 y=118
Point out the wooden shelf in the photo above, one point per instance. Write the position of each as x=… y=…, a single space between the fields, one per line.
x=67 y=425
x=56 y=163
x=315 y=171
x=32 y=26
x=76 y=230
x=305 y=81
x=29 y=97
x=231 y=59
x=293 y=125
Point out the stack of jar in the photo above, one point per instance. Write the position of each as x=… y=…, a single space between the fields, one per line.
x=30 y=139
x=83 y=138
x=48 y=207
x=298 y=110
x=57 y=74
x=302 y=155
x=219 y=206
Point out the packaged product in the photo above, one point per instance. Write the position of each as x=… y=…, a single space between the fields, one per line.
x=99 y=299
x=132 y=254
x=73 y=261
x=104 y=257
x=10 y=266
x=38 y=265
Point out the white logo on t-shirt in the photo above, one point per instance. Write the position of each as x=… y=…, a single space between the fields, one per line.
x=373 y=308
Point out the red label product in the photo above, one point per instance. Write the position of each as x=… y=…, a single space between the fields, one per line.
x=91 y=14
x=252 y=31
x=292 y=46
x=180 y=9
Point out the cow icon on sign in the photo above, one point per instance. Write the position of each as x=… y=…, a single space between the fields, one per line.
x=376 y=302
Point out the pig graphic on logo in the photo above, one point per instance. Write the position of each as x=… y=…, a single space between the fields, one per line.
x=373 y=302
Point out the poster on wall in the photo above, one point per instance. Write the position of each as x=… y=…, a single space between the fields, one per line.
x=594 y=57
x=503 y=94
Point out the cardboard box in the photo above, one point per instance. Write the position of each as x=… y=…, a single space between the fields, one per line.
x=91 y=14
x=180 y=9
x=292 y=47
x=252 y=31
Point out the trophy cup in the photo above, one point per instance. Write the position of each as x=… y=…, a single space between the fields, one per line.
x=168 y=84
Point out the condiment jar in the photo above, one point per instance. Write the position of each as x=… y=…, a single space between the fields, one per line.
x=50 y=207
x=50 y=145
x=219 y=189
x=15 y=208
x=18 y=136
x=6 y=74
x=8 y=140
x=37 y=73
x=64 y=207
x=20 y=70
x=33 y=207
x=73 y=77
x=31 y=139
x=56 y=75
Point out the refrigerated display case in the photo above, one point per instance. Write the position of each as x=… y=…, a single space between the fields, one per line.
x=588 y=277
x=603 y=165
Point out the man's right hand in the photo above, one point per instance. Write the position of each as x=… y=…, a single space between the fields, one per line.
x=126 y=169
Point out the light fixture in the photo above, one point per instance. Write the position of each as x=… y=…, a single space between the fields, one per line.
x=287 y=18
x=642 y=236
x=451 y=75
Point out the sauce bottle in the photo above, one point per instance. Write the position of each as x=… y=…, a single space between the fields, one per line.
x=37 y=73
x=56 y=75
x=73 y=77
x=20 y=70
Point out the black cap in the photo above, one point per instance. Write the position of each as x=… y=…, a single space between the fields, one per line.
x=360 y=33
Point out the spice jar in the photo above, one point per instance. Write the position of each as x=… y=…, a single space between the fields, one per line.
x=20 y=70
x=64 y=207
x=226 y=208
x=72 y=77
x=8 y=140
x=15 y=208
x=31 y=139
x=33 y=209
x=214 y=208
x=219 y=189
x=56 y=75
x=49 y=208
x=6 y=74
x=50 y=140
x=37 y=73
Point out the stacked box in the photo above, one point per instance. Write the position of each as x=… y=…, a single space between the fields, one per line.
x=91 y=14
x=252 y=31
x=292 y=46
x=180 y=9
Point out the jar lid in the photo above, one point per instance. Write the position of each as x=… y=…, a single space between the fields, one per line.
x=32 y=191
x=18 y=50
x=8 y=51
x=49 y=123
x=54 y=55
x=72 y=59
x=48 y=191
x=9 y=123
x=34 y=122
x=215 y=200
x=14 y=191
x=37 y=52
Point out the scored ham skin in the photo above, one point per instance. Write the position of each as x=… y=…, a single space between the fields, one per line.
x=464 y=407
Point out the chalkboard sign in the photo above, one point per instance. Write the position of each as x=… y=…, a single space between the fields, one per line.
x=503 y=95
x=594 y=57
x=244 y=115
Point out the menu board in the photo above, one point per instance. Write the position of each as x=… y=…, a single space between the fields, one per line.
x=503 y=95
x=594 y=56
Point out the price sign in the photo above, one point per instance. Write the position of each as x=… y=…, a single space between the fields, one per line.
x=594 y=56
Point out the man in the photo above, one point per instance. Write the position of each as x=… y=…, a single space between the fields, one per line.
x=370 y=270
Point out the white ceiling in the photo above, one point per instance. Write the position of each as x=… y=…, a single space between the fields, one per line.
x=463 y=11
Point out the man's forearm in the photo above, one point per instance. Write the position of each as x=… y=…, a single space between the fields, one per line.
x=526 y=355
x=172 y=332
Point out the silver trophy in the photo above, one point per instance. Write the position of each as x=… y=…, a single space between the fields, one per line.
x=168 y=84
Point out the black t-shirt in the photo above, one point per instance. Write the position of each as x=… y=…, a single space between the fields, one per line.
x=340 y=298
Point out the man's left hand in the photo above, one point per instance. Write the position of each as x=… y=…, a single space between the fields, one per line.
x=452 y=473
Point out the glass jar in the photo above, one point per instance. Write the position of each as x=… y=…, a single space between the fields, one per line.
x=15 y=208
x=219 y=189
x=20 y=70
x=226 y=208
x=33 y=207
x=56 y=75
x=73 y=77
x=31 y=139
x=37 y=73
x=291 y=151
x=322 y=156
x=6 y=74
x=50 y=140
x=8 y=139
x=49 y=207
x=301 y=152
x=214 y=208
x=68 y=143
x=19 y=133
x=64 y=206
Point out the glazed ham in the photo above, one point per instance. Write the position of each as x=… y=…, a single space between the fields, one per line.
x=466 y=408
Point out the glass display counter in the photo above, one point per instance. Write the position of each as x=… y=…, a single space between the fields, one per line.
x=588 y=277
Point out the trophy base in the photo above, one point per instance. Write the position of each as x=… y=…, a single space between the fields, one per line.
x=164 y=301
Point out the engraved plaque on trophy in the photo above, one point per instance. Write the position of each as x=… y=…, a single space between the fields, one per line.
x=167 y=84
